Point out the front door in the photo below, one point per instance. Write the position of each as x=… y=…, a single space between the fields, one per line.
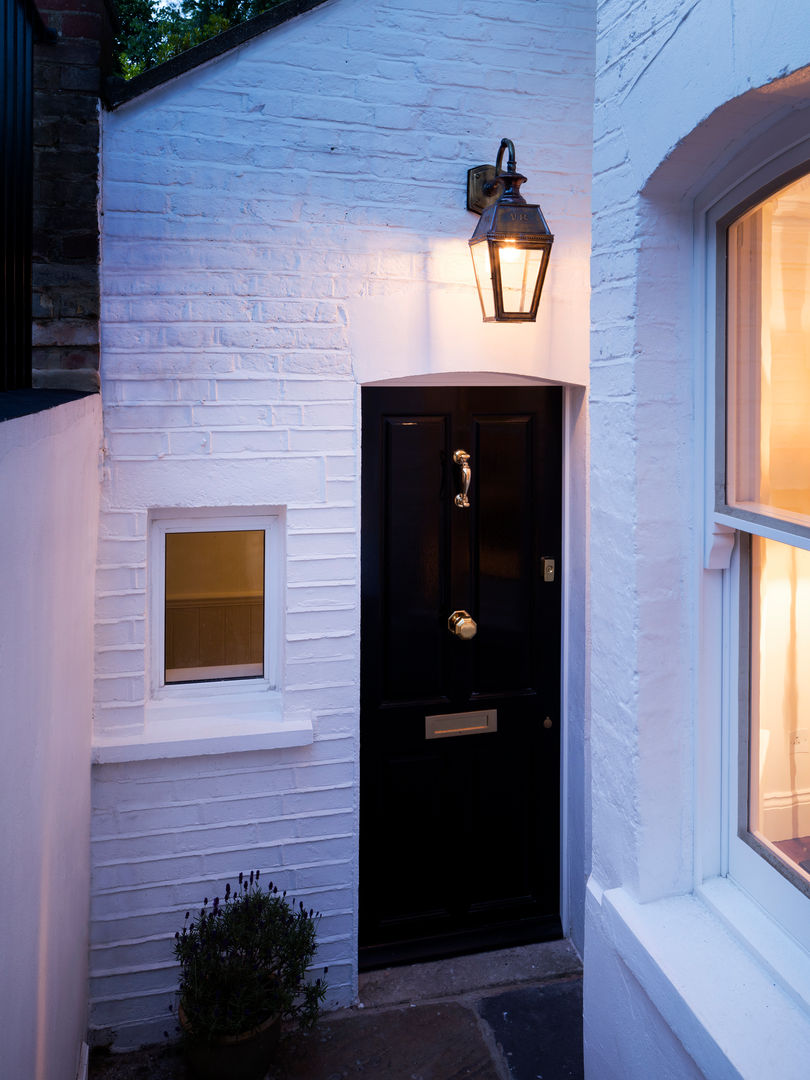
x=460 y=680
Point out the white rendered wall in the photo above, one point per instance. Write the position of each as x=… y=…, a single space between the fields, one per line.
x=279 y=227
x=663 y=132
x=49 y=495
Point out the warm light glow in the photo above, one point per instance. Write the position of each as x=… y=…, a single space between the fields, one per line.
x=483 y=276
x=780 y=691
x=768 y=472
x=519 y=270
x=769 y=351
x=214 y=617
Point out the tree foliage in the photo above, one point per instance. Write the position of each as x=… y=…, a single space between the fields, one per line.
x=151 y=32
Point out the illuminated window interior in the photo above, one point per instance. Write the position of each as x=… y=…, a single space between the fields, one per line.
x=214 y=605
x=768 y=472
x=780 y=698
x=769 y=353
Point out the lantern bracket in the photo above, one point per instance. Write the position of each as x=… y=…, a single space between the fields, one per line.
x=484 y=181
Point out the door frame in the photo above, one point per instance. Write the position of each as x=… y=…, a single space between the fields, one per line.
x=574 y=696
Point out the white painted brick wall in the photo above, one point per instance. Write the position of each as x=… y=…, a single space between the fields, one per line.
x=259 y=214
x=665 y=73
x=650 y=158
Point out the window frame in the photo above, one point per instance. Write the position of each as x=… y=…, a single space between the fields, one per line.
x=772 y=882
x=721 y=217
x=212 y=691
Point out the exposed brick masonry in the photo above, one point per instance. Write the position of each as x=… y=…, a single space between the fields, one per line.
x=67 y=80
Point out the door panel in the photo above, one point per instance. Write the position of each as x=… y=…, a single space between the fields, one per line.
x=503 y=650
x=414 y=559
x=460 y=835
x=502 y=786
x=404 y=775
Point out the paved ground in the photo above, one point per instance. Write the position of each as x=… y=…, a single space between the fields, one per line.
x=509 y=1015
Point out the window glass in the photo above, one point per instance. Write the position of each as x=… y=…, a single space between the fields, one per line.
x=215 y=591
x=779 y=786
x=768 y=473
x=768 y=334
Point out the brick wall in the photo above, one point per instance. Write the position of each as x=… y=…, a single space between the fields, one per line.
x=650 y=164
x=672 y=108
x=167 y=834
x=67 y=83
x=260 y=215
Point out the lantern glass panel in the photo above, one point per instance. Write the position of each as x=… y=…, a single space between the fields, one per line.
x=520 y=268
x=483 y=276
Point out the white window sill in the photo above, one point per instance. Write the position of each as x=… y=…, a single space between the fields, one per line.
x=731 y=985
x=213 y=725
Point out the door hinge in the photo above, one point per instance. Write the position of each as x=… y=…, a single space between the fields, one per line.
x=549 y=569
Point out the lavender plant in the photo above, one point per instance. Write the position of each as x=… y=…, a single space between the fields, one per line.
x=245 y=960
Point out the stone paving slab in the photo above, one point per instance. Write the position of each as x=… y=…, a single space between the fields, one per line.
x=476 y=973
x=525 y=1033
x=422 y=1042
x=151 y=1063
x=539 y=1029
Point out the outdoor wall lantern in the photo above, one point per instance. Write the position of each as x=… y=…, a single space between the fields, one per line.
x=511 y=244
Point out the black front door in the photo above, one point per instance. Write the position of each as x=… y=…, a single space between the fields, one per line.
x=460 y=734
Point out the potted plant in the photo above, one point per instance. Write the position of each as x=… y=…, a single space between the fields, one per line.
x=243 y=965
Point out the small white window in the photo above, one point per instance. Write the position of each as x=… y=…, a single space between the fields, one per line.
x=215 y=602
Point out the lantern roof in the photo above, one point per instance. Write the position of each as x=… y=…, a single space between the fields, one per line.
x=512 y=221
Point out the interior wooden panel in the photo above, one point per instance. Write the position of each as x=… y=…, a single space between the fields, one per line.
x=214 y=633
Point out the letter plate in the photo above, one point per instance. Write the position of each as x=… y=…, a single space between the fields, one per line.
x=461 y=723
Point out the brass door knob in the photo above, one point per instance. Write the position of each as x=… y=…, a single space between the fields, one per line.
x=463 y=625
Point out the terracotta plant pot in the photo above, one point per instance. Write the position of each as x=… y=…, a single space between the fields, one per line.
x=247 y=1056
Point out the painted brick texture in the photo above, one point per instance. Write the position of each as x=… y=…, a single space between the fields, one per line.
x=642 y=477
x=673 y=104
x=254 y=211
x=652 y=156
x=169 y=833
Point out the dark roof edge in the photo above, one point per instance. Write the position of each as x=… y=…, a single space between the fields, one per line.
x=117 y=91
